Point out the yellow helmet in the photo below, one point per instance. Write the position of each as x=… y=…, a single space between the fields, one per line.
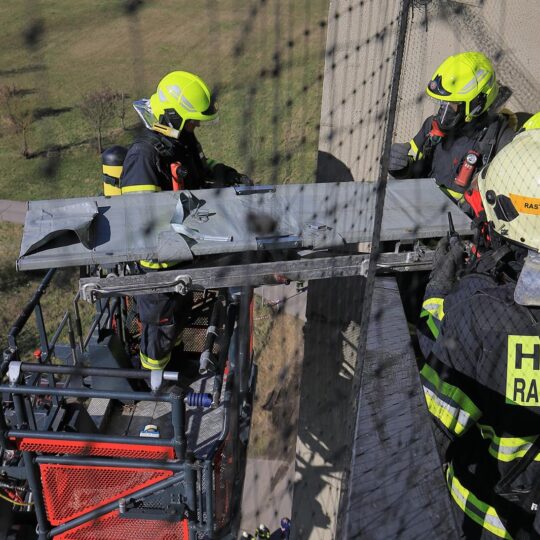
x=510 y=190
x=467 y=79
x=182 y=96
x=533 y=122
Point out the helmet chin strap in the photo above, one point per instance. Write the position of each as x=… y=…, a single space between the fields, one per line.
x=168 y=131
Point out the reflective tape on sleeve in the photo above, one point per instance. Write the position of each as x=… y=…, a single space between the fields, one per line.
x=450 y=405
x=475 y=509
x=415 y=151
x=435 y=306
x=507 y=448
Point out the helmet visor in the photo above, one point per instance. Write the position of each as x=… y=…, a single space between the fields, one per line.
x=449 y=115
x=527 y=292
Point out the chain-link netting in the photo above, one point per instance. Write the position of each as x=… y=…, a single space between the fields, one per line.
x=403 y=272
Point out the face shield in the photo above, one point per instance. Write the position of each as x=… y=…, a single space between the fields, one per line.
x=450 y=115
x=143 y=109
x=527 y=292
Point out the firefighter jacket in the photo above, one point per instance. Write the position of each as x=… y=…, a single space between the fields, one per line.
x=442 y=160
x=147 y=165
x=481 y=382
x=153 y=161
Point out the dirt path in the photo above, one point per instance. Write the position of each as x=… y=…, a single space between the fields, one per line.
x=13 y=211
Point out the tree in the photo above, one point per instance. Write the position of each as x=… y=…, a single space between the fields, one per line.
x=18 y=115
x=98 y=108
x=121 y=97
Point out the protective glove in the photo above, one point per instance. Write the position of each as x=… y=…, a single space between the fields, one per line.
x=448 y=260
x=243 y=180
x=399 y=157
x=228 y=176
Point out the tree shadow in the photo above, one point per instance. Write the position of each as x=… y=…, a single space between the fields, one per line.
x=32 y=68
x=331 y=332
x=47 y=112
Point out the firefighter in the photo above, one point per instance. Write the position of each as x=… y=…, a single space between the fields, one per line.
x=262 y=532
x=464 y=129
x=481 y=377
x=168 y=156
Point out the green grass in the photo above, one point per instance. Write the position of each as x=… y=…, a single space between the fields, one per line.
x=269 y=109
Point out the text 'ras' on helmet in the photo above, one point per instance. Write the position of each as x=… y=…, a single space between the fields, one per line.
x=182 y=96
x=466 y=86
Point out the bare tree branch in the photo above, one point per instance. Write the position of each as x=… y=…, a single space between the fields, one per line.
x=17 y=114
x=98 y=109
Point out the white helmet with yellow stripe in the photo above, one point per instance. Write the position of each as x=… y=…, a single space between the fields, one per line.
x=510 y=189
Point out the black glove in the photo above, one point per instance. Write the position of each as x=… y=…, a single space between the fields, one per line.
x=228 y=176
x=243 y=180
x=399 y=157
x=448 y=260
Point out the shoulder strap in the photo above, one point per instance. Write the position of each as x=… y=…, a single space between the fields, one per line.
x=163 y=146
x=487 y=140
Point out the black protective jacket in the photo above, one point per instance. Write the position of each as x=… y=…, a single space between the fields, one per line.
x=482 y=386
x=147 y=165
x=443 y=160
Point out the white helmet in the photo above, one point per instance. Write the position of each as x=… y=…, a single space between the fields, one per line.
x=510 y=190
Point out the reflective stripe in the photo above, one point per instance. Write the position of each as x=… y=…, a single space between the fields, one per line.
x=456 y=195
x=431 y=323
x=111 y=191
x=452 y=407
x=475 y=509
x=140 y=187
x=507 y=448
x=151 y=363
x=433 y=312
x=435 y=306
x=112 y=170
x=454 y=418
x=416 y=154
x=153 y=265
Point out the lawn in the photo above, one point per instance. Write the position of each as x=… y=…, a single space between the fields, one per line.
x=264 y=58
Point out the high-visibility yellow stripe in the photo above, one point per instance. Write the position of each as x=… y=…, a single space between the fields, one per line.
x=456 y=195
x=111 y=191
x=431 y=323
x=435 y=306
x=507 y=448
x=152 y=363
x=455 y=419
x=112 y=170
x=451 y=406
x=416 y=154
x=140 y=187
x=153 y=265
x=475 y=509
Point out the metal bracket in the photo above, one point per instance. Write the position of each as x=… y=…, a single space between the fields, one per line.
x=254 y=190
x=279 y=242
x=91 y=291
x=14 y=372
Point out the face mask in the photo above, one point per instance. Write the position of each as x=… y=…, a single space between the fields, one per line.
x=447 y=117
